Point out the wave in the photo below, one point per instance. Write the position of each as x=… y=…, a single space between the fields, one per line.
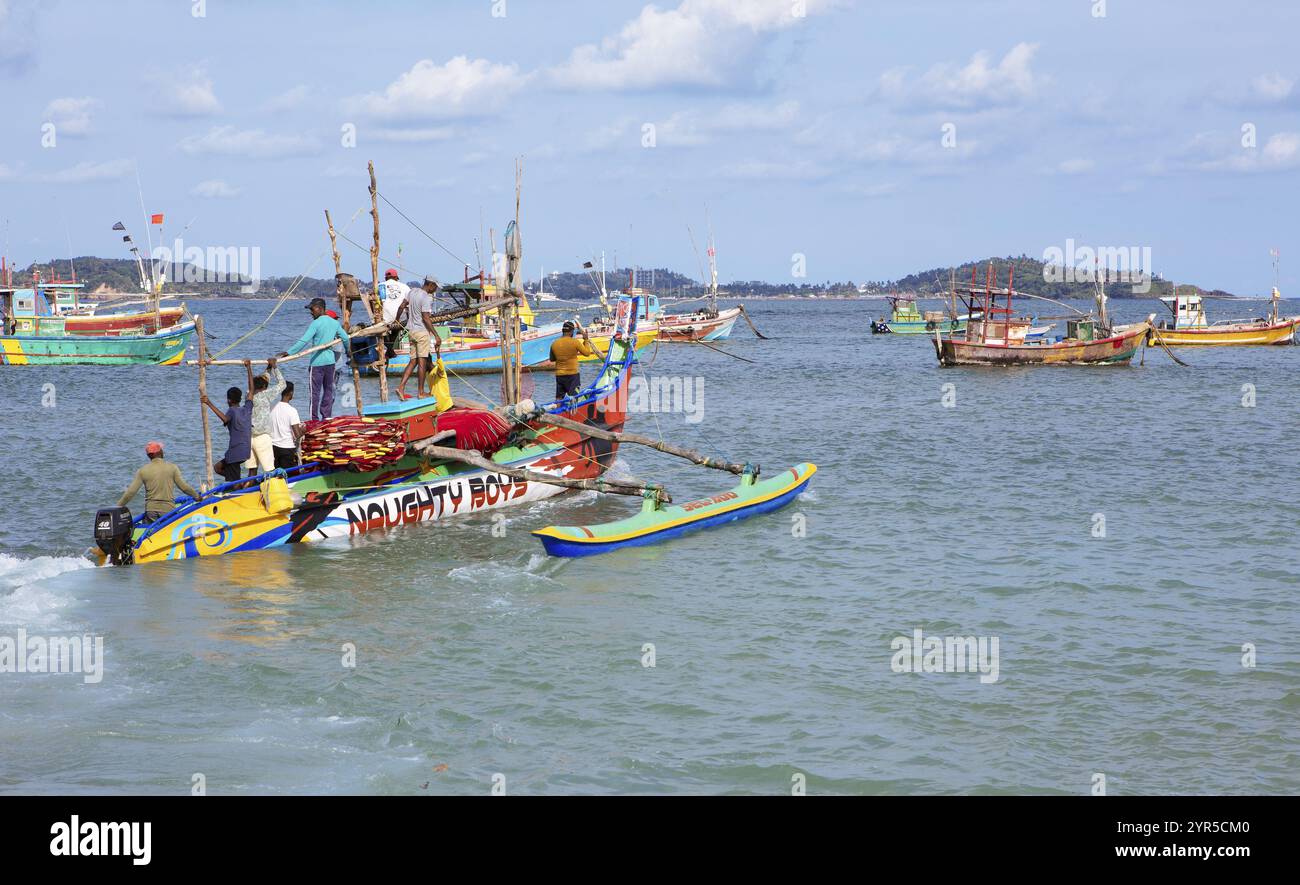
x=22 y=593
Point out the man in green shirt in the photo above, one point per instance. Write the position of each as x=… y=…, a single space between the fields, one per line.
x=160 y=479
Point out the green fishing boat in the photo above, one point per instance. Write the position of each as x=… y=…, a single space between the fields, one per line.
x=906 y=319
x=32 y=335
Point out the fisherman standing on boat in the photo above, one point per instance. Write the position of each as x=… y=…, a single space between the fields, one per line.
x=286 y=430
x=265 y=396
x=160 y=479
x=323 y=330
x=238 y=419
x=564 y=353
x=395 y=292
x=418 y=310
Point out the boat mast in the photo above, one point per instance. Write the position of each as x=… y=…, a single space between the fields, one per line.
x=1277 y=295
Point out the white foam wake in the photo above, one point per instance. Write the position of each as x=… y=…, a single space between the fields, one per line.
x=22 y=595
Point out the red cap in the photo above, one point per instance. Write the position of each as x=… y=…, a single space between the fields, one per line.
x=153 y=448
x=390 y=274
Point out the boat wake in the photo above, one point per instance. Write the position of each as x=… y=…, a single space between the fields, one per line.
x=22 y=596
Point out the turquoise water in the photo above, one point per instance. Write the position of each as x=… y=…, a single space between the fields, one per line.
x=477 y=655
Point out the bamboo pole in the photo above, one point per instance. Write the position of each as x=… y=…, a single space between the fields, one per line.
x=475 y=459
x=203 y=409
x=376 y=310
x=658 y=445
x=345 y=308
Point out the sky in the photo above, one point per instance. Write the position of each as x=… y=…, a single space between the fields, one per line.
x=844 y=140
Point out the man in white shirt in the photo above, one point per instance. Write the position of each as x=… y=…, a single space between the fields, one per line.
x=286 y=430
x=395 y=292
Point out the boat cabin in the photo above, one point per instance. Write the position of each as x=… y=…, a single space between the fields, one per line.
x=903 y=310
x=1188 y=311
x=60 y=298
x=27 y=312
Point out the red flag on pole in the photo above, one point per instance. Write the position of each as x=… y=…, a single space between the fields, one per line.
x=157 y=219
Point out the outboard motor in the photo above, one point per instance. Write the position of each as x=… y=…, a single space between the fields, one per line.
x=113 y=535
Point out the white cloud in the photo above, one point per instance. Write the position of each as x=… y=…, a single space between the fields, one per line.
x=87 y=171
x=1272 y=88
x=767 y=170
x=253 y=143
x=288 y=100
x=17 y=43
x=1217 y=152
x=71 y=116
x=215 y=189
x=409 y=136
x=1267 y=90
x=689 y=128
x=187 y=94
x=460 y=88
x=1075 y=166
x=976 y=85
x=698 y=43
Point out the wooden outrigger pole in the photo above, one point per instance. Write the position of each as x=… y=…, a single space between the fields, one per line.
x=345 y=307
x=375 y=311
x=203 y=409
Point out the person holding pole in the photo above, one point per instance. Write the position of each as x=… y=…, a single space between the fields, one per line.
x=322 y=330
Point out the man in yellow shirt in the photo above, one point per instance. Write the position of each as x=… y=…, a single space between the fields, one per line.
x=564 y=353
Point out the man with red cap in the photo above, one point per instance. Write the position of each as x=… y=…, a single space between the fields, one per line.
x=160 y=479
x=395 y=292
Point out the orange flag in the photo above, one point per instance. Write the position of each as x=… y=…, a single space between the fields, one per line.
x=157 y=219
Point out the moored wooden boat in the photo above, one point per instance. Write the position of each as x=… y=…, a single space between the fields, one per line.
x=1190 y=326
x=906 y=319
x=998 y=338
x=32 y=339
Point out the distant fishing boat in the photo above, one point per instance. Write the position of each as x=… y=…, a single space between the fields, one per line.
x=1189 y=325
x=32 y=335
x=994 y=337
x=707 y=323
x=906 y=319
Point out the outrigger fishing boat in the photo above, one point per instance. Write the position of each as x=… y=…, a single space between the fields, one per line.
x=906 y=319
x=1190 y=326
x=995 y=337
x=436 y=459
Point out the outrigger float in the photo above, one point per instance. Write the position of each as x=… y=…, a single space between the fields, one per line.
x=457 y=460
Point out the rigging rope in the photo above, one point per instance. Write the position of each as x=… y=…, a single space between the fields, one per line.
x=421 y=230
x=283 y=298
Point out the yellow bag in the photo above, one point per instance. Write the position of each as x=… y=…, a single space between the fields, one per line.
x=275 y=495
x=440 y=386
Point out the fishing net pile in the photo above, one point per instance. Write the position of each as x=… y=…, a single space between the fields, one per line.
x=472 y=430
x=358 y=443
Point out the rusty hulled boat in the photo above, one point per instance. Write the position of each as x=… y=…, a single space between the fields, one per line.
x=994 y=336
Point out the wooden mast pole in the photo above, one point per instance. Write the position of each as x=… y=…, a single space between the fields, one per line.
x=203 y=409
x=345 y=306
x=375 y=310
x=518 y=365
